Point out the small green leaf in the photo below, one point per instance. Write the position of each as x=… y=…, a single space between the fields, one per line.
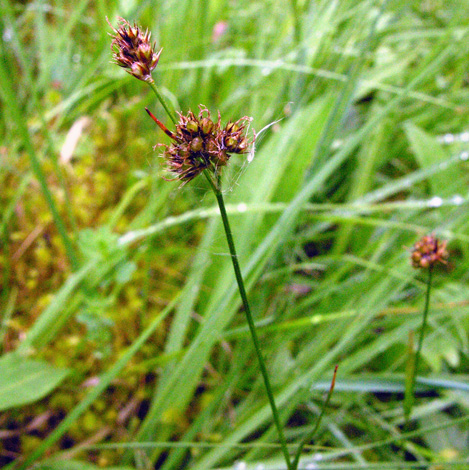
x=26 y=380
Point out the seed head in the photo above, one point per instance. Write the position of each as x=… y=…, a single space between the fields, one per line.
x=199 y=144
x=132 y=50
x=428 y=251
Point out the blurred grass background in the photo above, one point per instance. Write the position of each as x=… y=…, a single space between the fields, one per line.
x=122 y=279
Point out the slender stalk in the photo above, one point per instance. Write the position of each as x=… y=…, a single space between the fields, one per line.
x=424 y=321
x=242 y=291
x=416 y=359
x=162 y=101
x=250 y=320
x=312 y=433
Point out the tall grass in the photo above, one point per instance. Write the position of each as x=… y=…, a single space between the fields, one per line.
x=120 y=276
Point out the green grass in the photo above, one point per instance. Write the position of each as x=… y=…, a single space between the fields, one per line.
x=114 y=273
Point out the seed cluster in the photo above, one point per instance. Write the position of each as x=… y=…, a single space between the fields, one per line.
x=200 y=143
x=428 y=251
x=132 y=50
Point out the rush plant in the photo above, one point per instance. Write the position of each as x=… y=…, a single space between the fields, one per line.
x=202 y=146
x=426 y=253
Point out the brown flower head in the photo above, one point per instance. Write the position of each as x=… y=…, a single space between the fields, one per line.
x=132 y=50
x=200 y=143
x=428 y=251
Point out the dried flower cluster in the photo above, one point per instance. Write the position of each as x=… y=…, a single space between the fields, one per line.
x=200 y=143
x=132 y=50
x=428 y=251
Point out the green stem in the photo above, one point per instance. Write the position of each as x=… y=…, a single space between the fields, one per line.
x=247 y=311
x=172 y=116
x=424 y=322
x=239 y=278
x=419 y=347
x=312 y=433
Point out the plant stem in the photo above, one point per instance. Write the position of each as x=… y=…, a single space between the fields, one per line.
x=312 y=433
x=424 y=321
x=410 y=398
x=250 y=320
x=162 y=101
x=242 y=290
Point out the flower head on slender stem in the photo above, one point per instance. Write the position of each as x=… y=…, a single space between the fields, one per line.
x=132 y=50
x=428 y=251
x=199 y=144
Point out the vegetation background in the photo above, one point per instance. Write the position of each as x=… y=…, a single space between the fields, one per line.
x=123 y=346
